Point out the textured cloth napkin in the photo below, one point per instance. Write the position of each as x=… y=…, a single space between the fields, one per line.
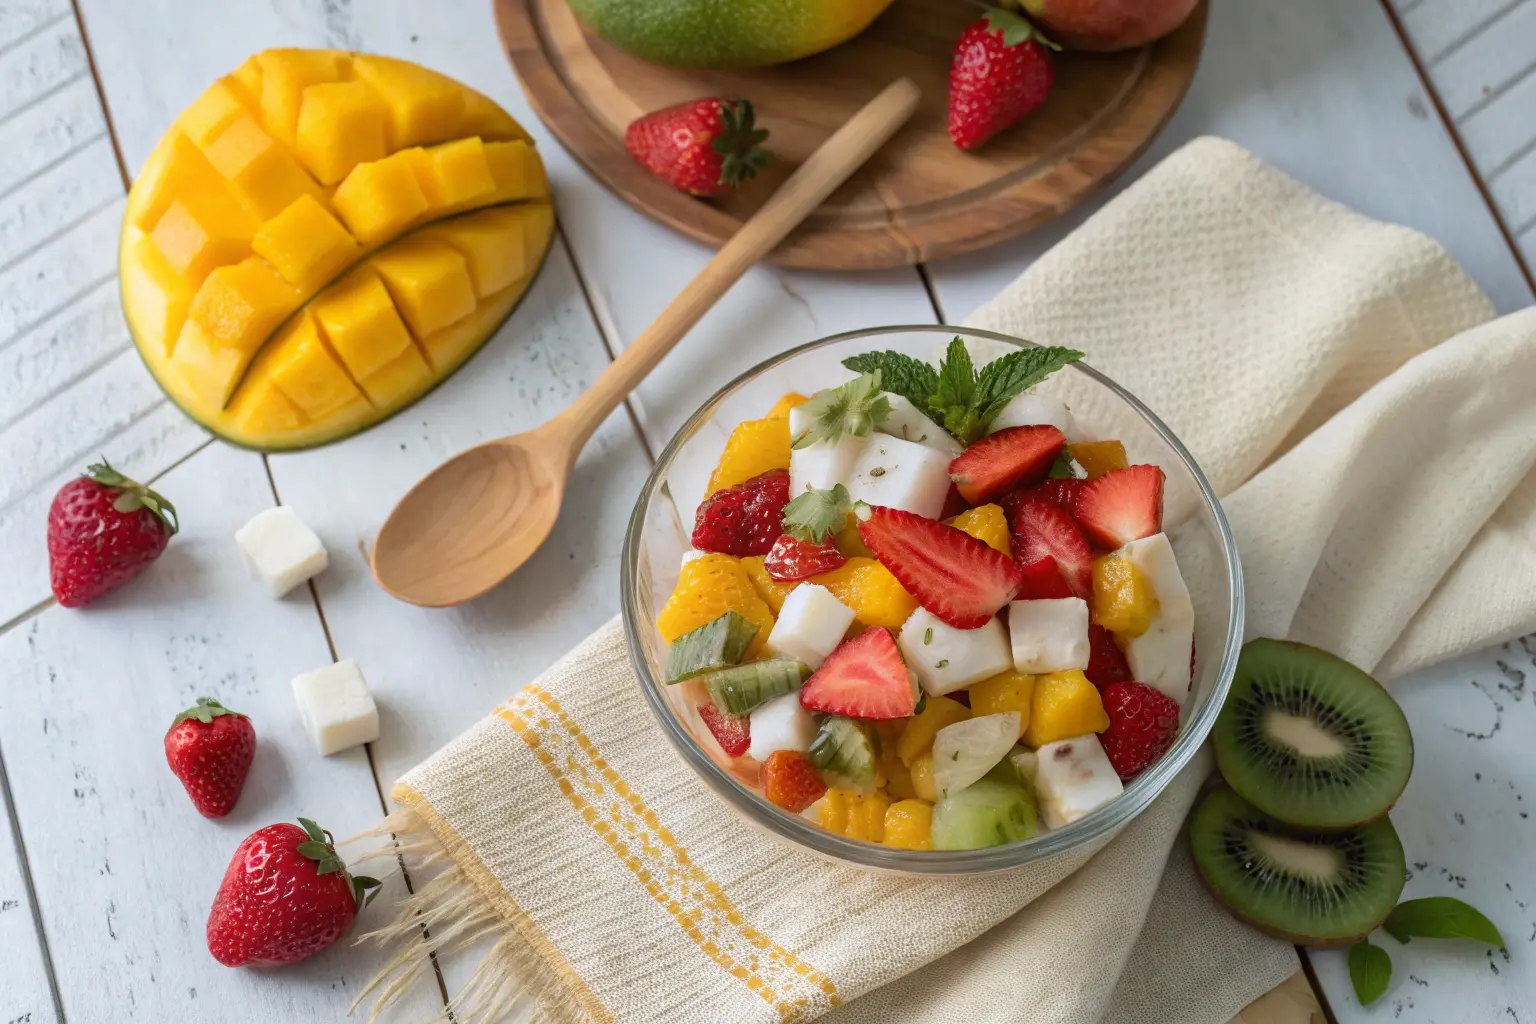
x=1371 y=429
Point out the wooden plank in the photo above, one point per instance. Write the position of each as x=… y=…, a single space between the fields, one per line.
x=1515 y=192
x=43 y=282
x=1364 y=133
x=39 y=64
x=1494 y=59
x=1503 y=131
x=44 y=133
x=83 y=183
x=1437 y=26
x=130 y=867
x=25 y=998
x=56 y=354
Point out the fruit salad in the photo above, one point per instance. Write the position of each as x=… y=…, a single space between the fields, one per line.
x=925 y=608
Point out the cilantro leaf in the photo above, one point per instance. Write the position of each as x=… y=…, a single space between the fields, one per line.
x=1370 y=971
x=900 y=374
x=816 y=515
x=1440 y=917
x=856 y=408
x=1016 y=373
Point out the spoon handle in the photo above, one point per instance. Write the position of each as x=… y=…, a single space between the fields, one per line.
x=827 y=168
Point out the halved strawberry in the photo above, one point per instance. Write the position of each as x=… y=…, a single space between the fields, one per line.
x=863 y=678
x=1063 y=491
x=1002 y=461
x=745 y=519
x=954 y=503
x=1041 y=528
x=732 y=732
x=1106 y=662
x=952 y=574
x=794 y=559
x=1043 y=581
x=1122 y=506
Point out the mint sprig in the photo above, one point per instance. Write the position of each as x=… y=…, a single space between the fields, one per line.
x=816 y=515
x=900 y=374
x=855 y=408
x=1433 y=917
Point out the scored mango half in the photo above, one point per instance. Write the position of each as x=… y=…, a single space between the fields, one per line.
x=322 y=237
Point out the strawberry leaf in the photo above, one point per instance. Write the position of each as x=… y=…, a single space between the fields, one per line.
x=205 y=710
x=365 y=889
x=134 y=495
x=816 y=515
x=855 y=408
x=315 y=832
x=1016 y=29
x=739 y=143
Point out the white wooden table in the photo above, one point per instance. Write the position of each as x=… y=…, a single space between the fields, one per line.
x=1423 y=114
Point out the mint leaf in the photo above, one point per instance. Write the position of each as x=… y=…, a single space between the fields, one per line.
x=900 y=374
x=954 y=398
x=1015 y=373
x=816 y=515
x=1061 y=469
x=1440 y=917
x=856 y=408
x=1370 y=970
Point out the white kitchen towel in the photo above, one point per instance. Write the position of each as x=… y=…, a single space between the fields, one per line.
x=1372 y=432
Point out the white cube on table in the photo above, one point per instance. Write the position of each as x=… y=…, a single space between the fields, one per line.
x=336 y=706
x=1161 y=657
x=1072 y=777
x=901 y=474
x=1049 y=634
x=946 y=659
x=280 y=550
x=810 y=625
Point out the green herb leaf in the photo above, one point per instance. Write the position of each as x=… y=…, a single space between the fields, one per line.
x=1061 y=469
x=1370 y=970
x=856 y=408
x=314 y=850
x=1016 y=29
x=928 y=636
x=205 y=710
x=955 y=396
x=816 y=515
x=364 y=889
x=922 y=704
x=1440 y=917
x=900 y=374
x=315 y=832
x=1013 y=374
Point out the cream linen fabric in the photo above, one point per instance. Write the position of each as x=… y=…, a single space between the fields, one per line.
x=1374 y=439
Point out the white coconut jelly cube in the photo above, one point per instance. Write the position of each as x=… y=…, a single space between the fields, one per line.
x=810 y=624
x=901 y=474
x=946 y=659
x=823 y=465
x=280 y=550
x=1029 y=409
x=1072 y=777
x=781 y=724
x=1160 y=657
x=909 y=424
x=336 y=706
x=1049 y=634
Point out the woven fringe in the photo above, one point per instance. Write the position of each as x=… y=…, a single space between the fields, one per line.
x=447 y=914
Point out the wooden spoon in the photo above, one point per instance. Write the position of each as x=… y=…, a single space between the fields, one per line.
x=471 y=522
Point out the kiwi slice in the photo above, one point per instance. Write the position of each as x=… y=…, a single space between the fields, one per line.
x=715 y=645
x=1311 y=888
x=740 y=689
x=1310 y=739
x=844 y=750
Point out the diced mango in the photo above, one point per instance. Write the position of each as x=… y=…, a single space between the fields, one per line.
x=260 y=172
x=866 y=586
x=1007 y=691
x=1123 y=599
x=306 y=243
x=212 y=112
x=483 y=117
x=406 y=374
x=240 y=305
x=285 y=74
x=707 y=588
x=493 y=243
x=1099 y=457
x=755 y=447
x=1065 y=704
x=893 y=775
x=909 y=825
x=159 y=295
x=361 y=323
x=454 y=174
x=786 y=402
x=429 y=282
x=245 y=80
x=850 y=541
x=205 y=367
x=177 y=170
x=424 y=106
x=987 y=523
x=917 y=736
x=772 y=591
x=341 y=125
x=197 y=234
x=305 y=370
x=856 y=815
x=517 y=170
x=378 y=200
x=921 y=770
x=262 y=409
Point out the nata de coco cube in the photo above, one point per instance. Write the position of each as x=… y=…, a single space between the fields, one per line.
x=811 y=624
x=946 y=659
x=1073 y=777
x=781 y=724
x=336 y=706
x=1049 y=635
x=1161 y=656
x=280 y=550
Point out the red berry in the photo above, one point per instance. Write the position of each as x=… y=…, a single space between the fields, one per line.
x=1106 y=662
x=209 y=748
x=794 y=559
x=954 y=503
x=1041 y=529
x=103 y=530
x=1121 y=506
x=790 y=780
x=285 y=897
x=1142 y=725
x=732 y=732
x=745 y=519
x=704 y=147
x=999 y=73
x=952 y=574
x=1063 y=491
x=1043 y=581
x=997 y=464
x=863 y=678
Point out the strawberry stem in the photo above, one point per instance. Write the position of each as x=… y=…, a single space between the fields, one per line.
x=738 y=143
x=134 y=495
x=205 y=710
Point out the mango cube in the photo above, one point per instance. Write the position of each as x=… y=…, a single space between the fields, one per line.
x=197 y=234
x=341 y=125
x=306 y=243
x=517 y=171
x=1124 y=600
x=424 y=106
x=769 y=589
x=429 y=282
x=1099 y=457
x=240 y=305
x=261 y=409
x=848 y=812
x=492 y=242
x=1007 y=691
x=160 y=296
x=212 y=112
x=909 y=825
x=361 y=324
x=406 y=374
x=207 y=368
x=454 y=174
x=987 y=523
x=306 y=372
x=1064 y=704
x=285 y=74
x=245 y=81
x=260 y=172
x=378 y=200
x=176 y=170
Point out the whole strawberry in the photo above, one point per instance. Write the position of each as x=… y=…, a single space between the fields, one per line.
x=209 y=748
x=103 y=530
x=285 y=897
x=999 y=72
x=705 y=147
x=1142 y=725
x=745 y=519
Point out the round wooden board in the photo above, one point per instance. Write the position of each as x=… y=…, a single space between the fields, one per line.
x=920 y=198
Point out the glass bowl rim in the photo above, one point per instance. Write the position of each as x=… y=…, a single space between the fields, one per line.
x=1102 y=822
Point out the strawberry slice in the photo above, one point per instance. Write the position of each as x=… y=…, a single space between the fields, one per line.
x=1063 y=491
x=1122 y=506
x=794 y=559
x=1041 y=528
x=732 y=732
x=863 y=678
x=998 y=463
x=954 y=503
x=1043 y=581
x=951 y=573
x=1106 y=662
x=745 y=519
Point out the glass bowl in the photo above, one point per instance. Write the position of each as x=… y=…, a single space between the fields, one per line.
x=662 y=522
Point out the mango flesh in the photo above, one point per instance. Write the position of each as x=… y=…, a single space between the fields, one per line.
x=321 y=238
